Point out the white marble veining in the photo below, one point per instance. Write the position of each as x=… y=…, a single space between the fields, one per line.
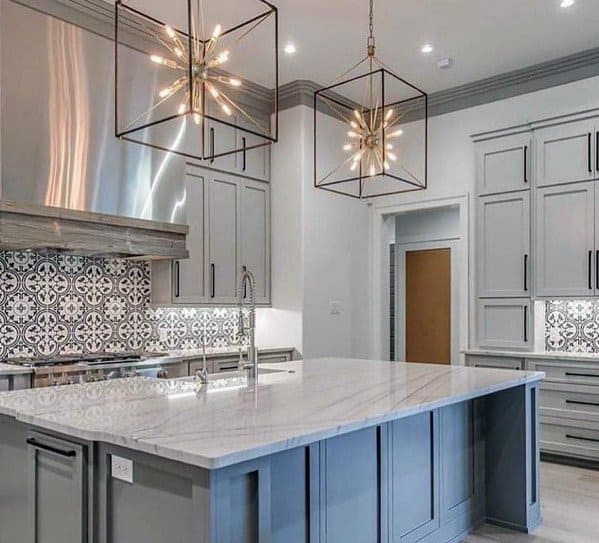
x=544 y=355
x=9 y=369
x=305 y=402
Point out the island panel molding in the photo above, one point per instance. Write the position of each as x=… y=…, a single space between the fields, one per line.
x=55 y=304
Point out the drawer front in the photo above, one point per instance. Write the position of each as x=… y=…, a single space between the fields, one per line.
x=197 y=365
x=499 y=362
x=274 y=358
x=226 y=364
x=570 y=404
x=574 y=439
x=580 y=373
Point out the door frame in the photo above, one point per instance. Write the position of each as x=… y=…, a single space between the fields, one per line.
x=382 y=221
x=400 y=299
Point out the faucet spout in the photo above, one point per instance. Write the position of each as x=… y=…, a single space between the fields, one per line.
x=247 y=298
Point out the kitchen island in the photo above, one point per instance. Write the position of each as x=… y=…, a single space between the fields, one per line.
x=328 y=450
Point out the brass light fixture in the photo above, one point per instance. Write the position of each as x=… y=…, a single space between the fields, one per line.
x=382 y=122
x=178 y=82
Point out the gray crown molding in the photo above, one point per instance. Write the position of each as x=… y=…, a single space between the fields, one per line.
x=98 y=16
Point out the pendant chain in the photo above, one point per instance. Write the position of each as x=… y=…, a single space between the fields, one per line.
x=371 y=44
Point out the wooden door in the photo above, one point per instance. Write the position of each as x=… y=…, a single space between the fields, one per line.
x=504 y=245
x=428 y=306
x=504 y=164
x=565 y=240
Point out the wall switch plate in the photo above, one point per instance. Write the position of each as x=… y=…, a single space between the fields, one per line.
x=122 y=469
x=335 y=307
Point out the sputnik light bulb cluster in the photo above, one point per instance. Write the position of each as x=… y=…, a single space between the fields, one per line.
x=203 y=74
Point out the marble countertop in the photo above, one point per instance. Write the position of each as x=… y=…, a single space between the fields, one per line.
x=545 y=355
x=303 y=402
x=9 y=369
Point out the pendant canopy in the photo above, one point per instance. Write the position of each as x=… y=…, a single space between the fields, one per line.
x=370 y=131
x=196 y=77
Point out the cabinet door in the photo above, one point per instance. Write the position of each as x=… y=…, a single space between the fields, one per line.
x=223 y=269
x=565 y=153
x=253 y=161
x=57 y=490
x=504 y=245
x=565 y=240
x=189 y=275
x=504 y=164
x=221 y=138
x=255 y=235
x=504 y=323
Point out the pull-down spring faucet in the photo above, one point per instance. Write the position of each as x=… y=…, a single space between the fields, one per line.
x=247 y=295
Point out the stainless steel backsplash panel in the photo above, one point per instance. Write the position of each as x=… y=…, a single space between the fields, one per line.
x=57 y=126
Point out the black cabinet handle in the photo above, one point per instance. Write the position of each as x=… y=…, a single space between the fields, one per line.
x=526 y=163
x=590 y=270
x=213 y=280
x=525 y=273
x=211 y=145
x=177 y=279
x=597 y=151
x=244 y=140
x=49 y=448
x=525 y=324
x=590 y=152
x=576 y=402
x=582 y=438
x=596 y=269
x=245 y=286
x=576 y=374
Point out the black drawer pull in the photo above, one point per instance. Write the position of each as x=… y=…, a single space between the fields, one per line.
x=573 y=374
x=211 y=145
x=590 y=153
x=526 y=273
x=177 y=279
x=590 y=270
x=582 y=438
x=526 y=163
x=213 y=280
x=525 y=324
x=577 y=402
x=49 y=448
x=244 y=140
x=597 y=151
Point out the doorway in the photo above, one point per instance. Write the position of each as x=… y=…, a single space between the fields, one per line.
x=428 y=306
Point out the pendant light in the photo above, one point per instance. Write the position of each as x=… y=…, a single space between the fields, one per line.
x=370 y=131
x=196 y=77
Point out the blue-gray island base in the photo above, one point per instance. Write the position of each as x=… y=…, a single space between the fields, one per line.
x=337 y=451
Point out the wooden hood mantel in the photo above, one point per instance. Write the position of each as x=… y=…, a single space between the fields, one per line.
x=43 y=228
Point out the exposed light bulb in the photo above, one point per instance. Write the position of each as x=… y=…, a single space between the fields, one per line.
x=567 y=3
x=157 y=59
x=354 y=166
x=196 y=118
x=290 y=49
x=372 y=170
x=223 y=57
x=353 y=134
x=392 y=156
x=427 y=49
x=226 y=109
x=347 y=147
x=165 y=92
x=387 y=166
x=389 y=146
x=389 y=115
x=354 y=124
x=396 y=134
x=178 y=52
x=170 y=31
x=213 y=91
x=182 y=108
x=234 y=82
x=217 y=31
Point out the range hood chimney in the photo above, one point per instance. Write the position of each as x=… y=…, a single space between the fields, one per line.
x=43 y=228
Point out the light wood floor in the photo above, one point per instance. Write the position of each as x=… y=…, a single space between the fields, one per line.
x=570 y=510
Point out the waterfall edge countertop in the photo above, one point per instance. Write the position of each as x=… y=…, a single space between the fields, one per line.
x=306 y=401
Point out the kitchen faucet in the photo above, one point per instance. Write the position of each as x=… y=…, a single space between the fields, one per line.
x=247 y=294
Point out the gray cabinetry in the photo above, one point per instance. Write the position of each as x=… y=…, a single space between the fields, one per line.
x=504 y=164
x=504 y=245
x=496 y=362
x=565 y=153
x=254 y=160
x=565 y=240
x=223 y=202
x=504 y=323
x=57 y=489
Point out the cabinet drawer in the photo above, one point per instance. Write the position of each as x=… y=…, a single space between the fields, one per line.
x=227 y=364
x=504 y=323
x=499 y=362
x=274 y=358
x=197 y=365
x=579 y=373
x=572 y=438
x=568 y=401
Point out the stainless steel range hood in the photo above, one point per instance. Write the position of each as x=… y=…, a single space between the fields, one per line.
x=43 y=228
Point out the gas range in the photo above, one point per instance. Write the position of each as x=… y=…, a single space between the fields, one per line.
x=73 y=369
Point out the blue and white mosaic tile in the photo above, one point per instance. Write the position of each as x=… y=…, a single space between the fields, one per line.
x=572 y=326
x=62 y=304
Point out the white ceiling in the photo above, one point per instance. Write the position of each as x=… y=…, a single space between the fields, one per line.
x=484 y=37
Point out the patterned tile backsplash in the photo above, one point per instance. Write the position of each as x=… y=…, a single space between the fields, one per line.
x=572 y=326
x=58 y=304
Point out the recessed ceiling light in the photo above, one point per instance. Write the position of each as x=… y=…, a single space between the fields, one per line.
x=427 y=49
x=567 y=3
x=290 y=49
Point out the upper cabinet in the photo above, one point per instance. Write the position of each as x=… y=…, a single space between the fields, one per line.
x=503 y=245
x=229 y=220
x=567 y=153
x=565 y=240
x=504 y=164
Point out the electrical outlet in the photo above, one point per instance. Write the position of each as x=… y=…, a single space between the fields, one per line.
x=122 y=469
x=334 y=307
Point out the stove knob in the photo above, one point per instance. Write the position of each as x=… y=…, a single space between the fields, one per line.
x=162 y=374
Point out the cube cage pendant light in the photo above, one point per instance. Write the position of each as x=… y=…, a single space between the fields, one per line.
x=193 y=76
x=370 y=131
